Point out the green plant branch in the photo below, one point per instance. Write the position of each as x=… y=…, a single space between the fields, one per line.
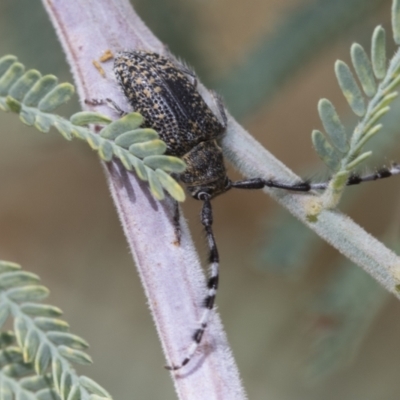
x=34 y=98
x=43 y=338
x=343 y=154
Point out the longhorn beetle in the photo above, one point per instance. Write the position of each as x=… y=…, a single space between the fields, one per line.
x=165 y=92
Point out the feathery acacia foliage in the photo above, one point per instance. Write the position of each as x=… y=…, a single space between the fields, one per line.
x=341 y=152
x=44 y=348
x=34 y=97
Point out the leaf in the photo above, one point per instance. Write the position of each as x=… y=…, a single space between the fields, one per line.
x=363 y=68
x=334 y=128
x=106 y=151
x=68 y=339
x=76 y=356
x=51 y=324
x=89 y=117
x=136 y=136
x=127 y=123
x=368 y=135
x=374 y=119
x=47 y=394
x=6 y=62
x=43 y=310
x=140 y=168
x=349 y=87
x=34 y=383
x=24 y=84
x=43 y=123
x=6 y=266
x=75 y=393
x=93 y=387
x=119 y=153
x=3 y=105
x=155 y=185
x=27 y=116
x=17 y=278
x=56 y=369
x=14 y=72
x=56 y=97
x=31 y=346
x=95 y=397
x=13 y=105
x=20 y=331
x=170 y=185
x=396 y=21
x=17 y=370
x=28 y=293
x=42 y=359
x=66 y=384
x=93 y=141
x=64 y=129
x=325 y=150
x=153 y=147
x=166 y=163
x=358 y=160
x=378 y=52
x=40 y=89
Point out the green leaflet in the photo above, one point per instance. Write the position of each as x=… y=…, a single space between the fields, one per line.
x=363 y=68
x=56 y=97
x=122 y=125
x=166 y=163
x=17 y=278
x=68 y=339
x=65 y=384
x=378 y=52
x=145 y=149
x=396 y=21
x=333 y=126
x=43 y=310
x=31 y=345
x=155 y=185
x=89 y=117
x=40 y=89
x=51 y=324
x=42 y=359
x=74 y=355
x=170 y=185
x=14 y=72
x=28 y=293
x=93 y=387
x=20 y=88
x=350 y=89
x=325 y=150
x=136 y=136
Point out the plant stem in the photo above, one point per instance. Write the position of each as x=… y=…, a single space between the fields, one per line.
x=171 y=274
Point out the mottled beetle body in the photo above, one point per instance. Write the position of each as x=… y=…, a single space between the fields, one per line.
x=166 y=95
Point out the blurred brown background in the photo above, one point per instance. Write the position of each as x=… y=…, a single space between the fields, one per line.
x=292 y=308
